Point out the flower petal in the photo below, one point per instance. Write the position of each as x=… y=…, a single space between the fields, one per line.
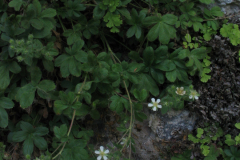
x=105 y=157
x=107 y=151
x=159 y=106
x=184 y=92
x=153 y=99
x=97 y=152
x=154 y=108
x=181 y=88
x=177 y=88
x=158 y=100
x=190 y=97
x=176 y=92
x=150 y=104
x=101 y=148
x=196 y=97
x=99 y=157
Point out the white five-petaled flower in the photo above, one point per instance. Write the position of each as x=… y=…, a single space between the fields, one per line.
x=180 y=91
x=102 y=153
x=193 y=95
x=154 y=104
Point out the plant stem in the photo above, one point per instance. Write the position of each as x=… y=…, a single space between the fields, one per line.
x=131 y=120
x=73 y=117
x=119 y=42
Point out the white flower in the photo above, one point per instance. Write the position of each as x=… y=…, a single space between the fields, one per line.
x=102 y=153
x=180 y=91
x=154 y=104
x=193 y=95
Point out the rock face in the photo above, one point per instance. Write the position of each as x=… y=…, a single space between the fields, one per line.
x=158 y=129
x=229 y=7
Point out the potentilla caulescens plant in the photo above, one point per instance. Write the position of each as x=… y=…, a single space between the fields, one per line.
x=58 y=55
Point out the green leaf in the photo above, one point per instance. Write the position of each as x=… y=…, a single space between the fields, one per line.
x=4 y=80
x=16 y=4
x=166 y=65
x=117 y=67
x=86 y=134
x=6 y=103
x=163 y=29
x=26 y=95
x=229 y=141
x=200 y=132
x=213 y=154
x=3 y=118
x=118 y=103
x=40 y=142
x=48 y=13
x=95 y=114
x=19 y=136
x=41 y=131
x=113 y=21
x=46 y=85
x=14 y=67
x=157 y=75
x=148 y=56
x=36 y=75
x=75 y=150
x=59 y=106
x=140 y=95
x=37 y=23
x=171 y=75
x=98 y=13
x=28 y=146
x=37 y=6
x=60 y=131
x=146 y=82
x=237 y=125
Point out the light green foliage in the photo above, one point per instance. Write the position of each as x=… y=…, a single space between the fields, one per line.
x=194 y=56
x=232 y=32
x=31 y=136
x=188 y=43
x=113 y=21
x=207 y=32
x=206 y=69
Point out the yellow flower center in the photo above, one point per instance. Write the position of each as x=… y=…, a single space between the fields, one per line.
x=155 y=104
x=102 y=153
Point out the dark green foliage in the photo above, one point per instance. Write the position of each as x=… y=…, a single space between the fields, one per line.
x=73 y=77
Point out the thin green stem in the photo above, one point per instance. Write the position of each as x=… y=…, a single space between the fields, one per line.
x=119 y=42
x=131 y=120
x=73 y=117
x=63 y=27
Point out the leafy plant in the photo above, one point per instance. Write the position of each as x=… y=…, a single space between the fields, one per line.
x=30 y=136
x=232 y=32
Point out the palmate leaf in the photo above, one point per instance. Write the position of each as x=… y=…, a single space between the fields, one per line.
x=136 y=22
x=146 y=82
x=163 y=28
x=75 y=150
x=69 y=63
